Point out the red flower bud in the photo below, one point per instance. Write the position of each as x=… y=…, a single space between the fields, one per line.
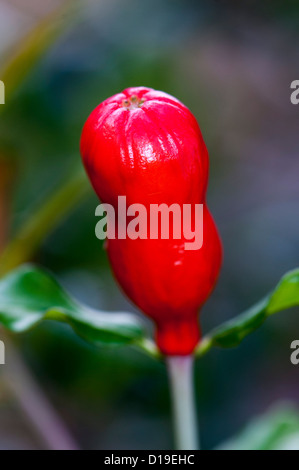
x=147 y=146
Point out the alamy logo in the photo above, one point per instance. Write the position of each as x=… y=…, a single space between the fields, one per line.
x=295 y=94
x=2 y=353
x=159 y=221
x=2 y=92
x=295 y=354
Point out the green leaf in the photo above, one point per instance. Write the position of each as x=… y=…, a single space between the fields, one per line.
x=278 y=429
x=29 y=295
x=231 y=333
x=286 y=294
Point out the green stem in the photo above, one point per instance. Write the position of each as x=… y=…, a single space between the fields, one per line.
x=43 y=221
x=15 y=373
x=204 y=347
x=149 y=347
x=7 y=177
x=32 y=400
x=180 y=370
x=27 y=52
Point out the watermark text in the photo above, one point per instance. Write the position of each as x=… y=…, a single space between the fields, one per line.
x=295 y=354
x=2 y=92
x=2 y=353
x=295 y=93
x=158 y=222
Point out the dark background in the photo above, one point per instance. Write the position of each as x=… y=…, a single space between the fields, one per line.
x=232 y=66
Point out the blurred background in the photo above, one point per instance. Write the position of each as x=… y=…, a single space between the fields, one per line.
x=232 y=65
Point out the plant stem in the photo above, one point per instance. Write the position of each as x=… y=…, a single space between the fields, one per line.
x=6 y=186
x=26 y=53
x=180 y=370
x=33 y=402
x=149 y=347
x=18 y=379
x=43 y=221
x=204 y=347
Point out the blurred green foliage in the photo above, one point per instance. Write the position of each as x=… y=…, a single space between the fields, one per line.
x=278 y=429
x=220 y=59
